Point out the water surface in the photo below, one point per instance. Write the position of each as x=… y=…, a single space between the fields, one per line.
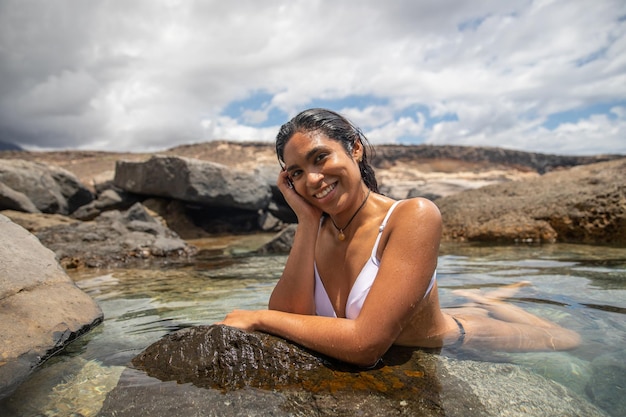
x=580 y=287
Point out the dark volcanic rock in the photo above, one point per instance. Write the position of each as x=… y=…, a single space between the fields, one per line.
x=114 y=239
x=222 y=371
x=228 y=359
x=584 y=204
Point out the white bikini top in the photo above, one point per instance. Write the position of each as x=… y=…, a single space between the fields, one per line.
x=361 y=287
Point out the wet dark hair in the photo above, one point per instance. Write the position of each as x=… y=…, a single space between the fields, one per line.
x=334 y=126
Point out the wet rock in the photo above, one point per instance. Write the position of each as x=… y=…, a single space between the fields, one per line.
x=41 y=309
x=221 y=371
x=584 y=204
x=193 y=181
x=281 y=242
x=50 y=189
x=225 y=358
x=114 y=239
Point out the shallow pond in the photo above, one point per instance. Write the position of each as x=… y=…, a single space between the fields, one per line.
x=580 y=287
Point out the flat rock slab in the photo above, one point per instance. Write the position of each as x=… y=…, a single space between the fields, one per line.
x=221 y=371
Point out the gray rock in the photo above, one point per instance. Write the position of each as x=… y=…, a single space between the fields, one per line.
x=267 y=222
x=193 y=181
x=222 y=371
x=14 y=200
x=51 y=189
x=281 y=242
x=108 y=199
x=113 y=239
x=41 y=310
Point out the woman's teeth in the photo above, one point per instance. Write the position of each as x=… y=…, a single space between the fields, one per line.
x=325 y=191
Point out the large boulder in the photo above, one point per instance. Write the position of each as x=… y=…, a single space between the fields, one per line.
x=584 y=204
x=50 y=189
x=114 y=239
x=194 y=181
x=217 y=370
x=15 y=200
x=41 y=310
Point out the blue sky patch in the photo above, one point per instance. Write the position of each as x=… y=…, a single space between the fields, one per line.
x=412 y=111
x=256 y=101
x=572 y=116
x=471 y=24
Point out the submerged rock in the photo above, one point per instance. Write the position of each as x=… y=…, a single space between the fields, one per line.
x=607 y=382
x=222 y=371
x=41 y=309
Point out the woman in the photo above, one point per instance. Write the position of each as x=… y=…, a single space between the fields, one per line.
x=361 y=274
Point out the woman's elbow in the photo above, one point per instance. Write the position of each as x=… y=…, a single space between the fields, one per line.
x=367 y=356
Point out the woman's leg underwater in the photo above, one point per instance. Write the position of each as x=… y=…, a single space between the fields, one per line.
x=491 y=322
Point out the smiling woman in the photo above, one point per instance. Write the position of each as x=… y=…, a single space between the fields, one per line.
x=365 y=280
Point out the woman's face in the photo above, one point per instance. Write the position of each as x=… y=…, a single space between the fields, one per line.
x=321 y=170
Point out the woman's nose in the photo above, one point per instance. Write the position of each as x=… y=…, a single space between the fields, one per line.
x=313 y=178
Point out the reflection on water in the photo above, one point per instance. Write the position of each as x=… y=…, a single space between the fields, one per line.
x=580 y=287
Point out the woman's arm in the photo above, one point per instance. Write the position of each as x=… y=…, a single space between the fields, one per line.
x=408 y=262
x=294 y=292
x=348 y=340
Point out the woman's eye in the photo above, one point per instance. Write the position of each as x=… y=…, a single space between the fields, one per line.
x=295 y=174
x=320 y=157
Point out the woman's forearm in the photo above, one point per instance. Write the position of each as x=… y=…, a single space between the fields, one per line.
x=294 y=292
x=342 y=339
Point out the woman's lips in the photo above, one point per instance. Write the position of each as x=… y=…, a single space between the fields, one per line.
x=325 y=191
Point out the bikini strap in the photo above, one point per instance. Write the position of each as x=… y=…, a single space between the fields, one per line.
x=382 y=227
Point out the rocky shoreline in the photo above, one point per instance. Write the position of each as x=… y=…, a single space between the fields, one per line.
x=76 y=201
x=107 y=210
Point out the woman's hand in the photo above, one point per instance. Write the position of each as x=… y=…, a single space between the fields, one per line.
x=302 y=208
x=241 y=319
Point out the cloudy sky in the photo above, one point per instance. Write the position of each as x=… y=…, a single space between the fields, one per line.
x=546 y=76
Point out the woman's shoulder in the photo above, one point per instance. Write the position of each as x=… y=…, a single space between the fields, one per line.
x=418 y=206
x=414 y=213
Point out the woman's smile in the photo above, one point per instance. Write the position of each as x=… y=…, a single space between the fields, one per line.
x=325 y=191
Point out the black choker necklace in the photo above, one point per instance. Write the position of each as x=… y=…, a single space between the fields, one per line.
x=341 y=236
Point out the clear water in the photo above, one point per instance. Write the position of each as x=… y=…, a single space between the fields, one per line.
x=580 y=287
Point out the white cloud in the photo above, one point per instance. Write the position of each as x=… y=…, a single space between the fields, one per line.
x=151 y=74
